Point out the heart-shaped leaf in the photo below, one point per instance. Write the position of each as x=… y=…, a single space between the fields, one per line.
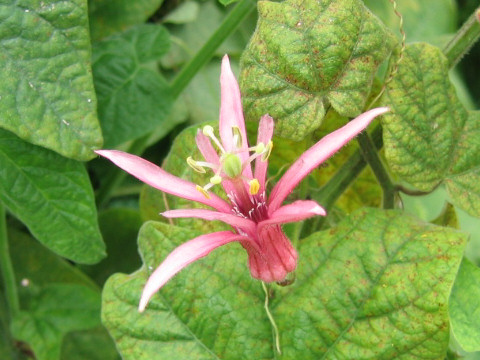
x=133 y=98
x=429 y=137
x=307 y=55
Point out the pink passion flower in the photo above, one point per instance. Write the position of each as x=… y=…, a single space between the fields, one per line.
x=255 y=218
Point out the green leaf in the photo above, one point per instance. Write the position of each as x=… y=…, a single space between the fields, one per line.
x=37 y=268
x=422 y=130
x=448 y=217
x=463 y=180
x=47 y=94
x=176 y=323
x=133 y=98
x=110 y=16
x=186 y=12
x=9 y=349
x=53 y=196
x=463 y=307
x=375 y=287
x=429 y=137
x=54 y=311
x=307 y=55
x=94 y=344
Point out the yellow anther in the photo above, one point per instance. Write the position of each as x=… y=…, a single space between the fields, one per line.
x=254 y=186
x=237 y=136
x=267 y=151
x=208 y=131
x=215 y=180
x=193 y=164
x=260 y=148
x=203 y=191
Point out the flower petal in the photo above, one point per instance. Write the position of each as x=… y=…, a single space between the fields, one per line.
x=244 y=224
x=154 y=176
x=317 y=154
x=231 y=113
x=296 y=211
x=265 y=133
x=182 y=256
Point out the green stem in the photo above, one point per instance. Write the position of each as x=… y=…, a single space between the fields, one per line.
x=116 y=176
x=369 y=151
x=229 y=24
x=464 y=39
x=8 y=275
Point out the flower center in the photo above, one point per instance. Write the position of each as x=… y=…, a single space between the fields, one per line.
x=231 y=166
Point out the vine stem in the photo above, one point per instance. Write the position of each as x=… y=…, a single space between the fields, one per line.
x=369 y=152
x=464 y=39
x=366 y=145
x=8 y=275
x=203 y=56
x=115 y=176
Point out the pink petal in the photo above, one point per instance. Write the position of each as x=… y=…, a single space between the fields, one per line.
x=296 y=211
x=265 y=132
x=317 y=154
x=206 y=148
x=182 y=256
x=154 y=176
x=244 y=224
x=275 y=256
x=231 y=113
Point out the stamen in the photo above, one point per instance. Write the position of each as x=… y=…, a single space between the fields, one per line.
x=203 y=191
x=237 y=137
x=195 y=165
x=254 y=186
x=267 y=151
x=260 y=148
x=215 y=180
x=208 y=131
